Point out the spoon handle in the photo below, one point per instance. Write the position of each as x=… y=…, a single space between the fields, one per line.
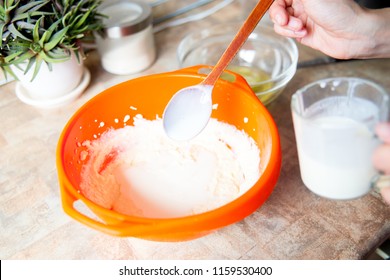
x=242 y=35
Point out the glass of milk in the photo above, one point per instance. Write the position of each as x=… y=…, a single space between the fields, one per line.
x=334 y=122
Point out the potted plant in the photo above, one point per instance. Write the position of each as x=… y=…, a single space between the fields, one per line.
x=41 y=43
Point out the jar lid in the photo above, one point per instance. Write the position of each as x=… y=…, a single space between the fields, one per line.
x=125 y=17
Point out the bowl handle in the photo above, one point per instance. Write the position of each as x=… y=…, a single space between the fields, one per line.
x=237 y=80
x=124 y=227
x=118 y=225
x=68 y=201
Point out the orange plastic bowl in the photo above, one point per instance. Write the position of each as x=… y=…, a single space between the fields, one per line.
x=149 y=95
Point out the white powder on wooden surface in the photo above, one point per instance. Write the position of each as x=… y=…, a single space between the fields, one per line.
x=138 y=170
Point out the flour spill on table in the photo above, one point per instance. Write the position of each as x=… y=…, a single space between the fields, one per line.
x=138 y=170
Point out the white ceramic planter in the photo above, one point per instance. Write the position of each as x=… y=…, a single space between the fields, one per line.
x=47 y=85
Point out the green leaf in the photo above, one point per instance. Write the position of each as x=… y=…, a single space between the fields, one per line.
x=25 y=25
x=36 y=30
x=59 y=53
x=8 y=70
x=29 y=15
x=32 y=6
x=57 y=37
x=38 y=63
x=23 y=57
x=50 y=59
x=64 y=19
x=9 y=4
x=80 y=31
x=30 y=64
x=46 y=36
x=1 y=34
x=50 y=66
x=18 y=45
x=78 y=55
x=16 y=33
x=9 y=7
x=74 y=21
x=2 y=11
x=11 y=57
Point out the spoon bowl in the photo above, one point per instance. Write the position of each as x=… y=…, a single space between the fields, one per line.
x=189 y=110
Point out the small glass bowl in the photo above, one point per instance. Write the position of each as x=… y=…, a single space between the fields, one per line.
x=267 y=60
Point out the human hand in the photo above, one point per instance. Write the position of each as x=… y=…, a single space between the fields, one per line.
x=339 y=28
x=381 y=157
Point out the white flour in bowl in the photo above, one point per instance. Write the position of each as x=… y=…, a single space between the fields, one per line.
x=138 y=170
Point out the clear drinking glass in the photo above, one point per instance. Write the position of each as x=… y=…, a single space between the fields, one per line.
x=334 y=121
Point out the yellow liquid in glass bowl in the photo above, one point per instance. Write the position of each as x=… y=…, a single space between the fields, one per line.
x=257 y=79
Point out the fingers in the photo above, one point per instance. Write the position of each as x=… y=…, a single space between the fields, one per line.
x=385 y=192
x=293 y=29
x=278 y=12
x=381 y=158
x=285 y=23
x=383 y=132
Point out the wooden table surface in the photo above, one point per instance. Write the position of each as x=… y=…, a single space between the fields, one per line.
x=293 y=223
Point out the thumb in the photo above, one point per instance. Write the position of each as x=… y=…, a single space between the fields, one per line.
x=383 y=131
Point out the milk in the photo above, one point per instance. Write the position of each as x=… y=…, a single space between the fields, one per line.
x=335 y=142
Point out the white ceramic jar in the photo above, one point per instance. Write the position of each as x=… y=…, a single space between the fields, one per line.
x=127 y=43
